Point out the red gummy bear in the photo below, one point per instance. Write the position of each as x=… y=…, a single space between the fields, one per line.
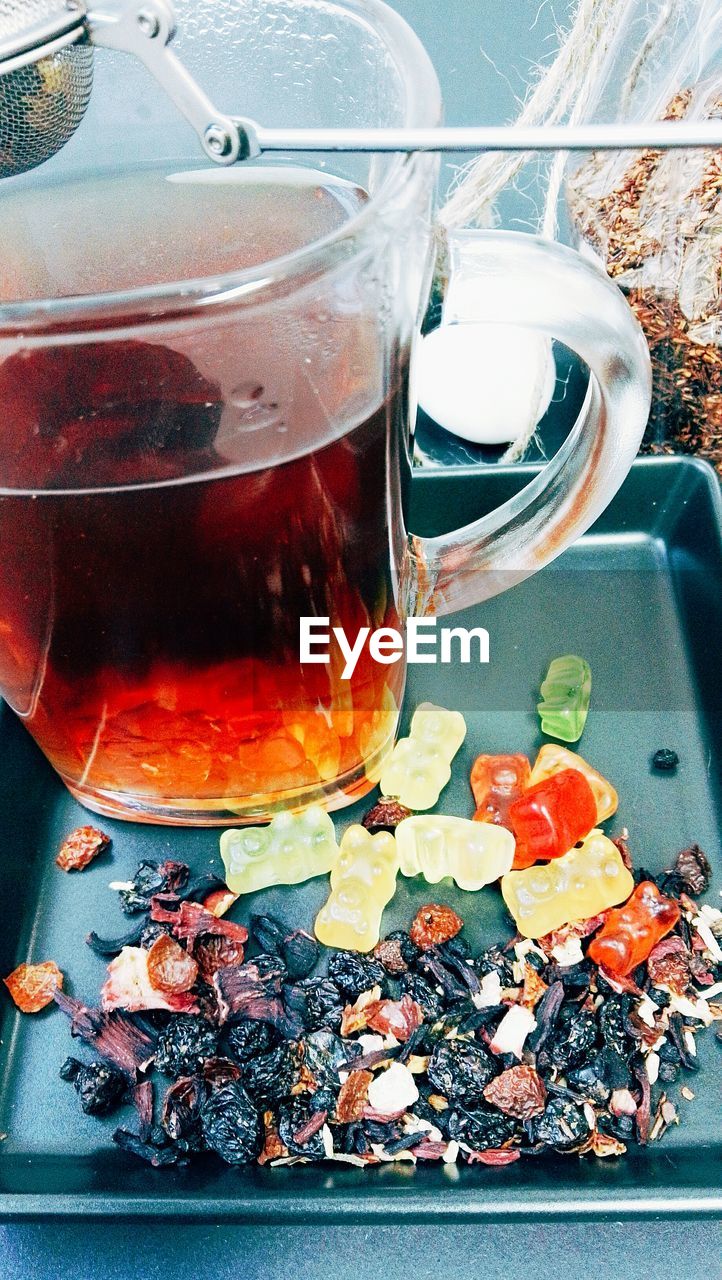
x=549 y=818
x=497 y=781
x=631 y=931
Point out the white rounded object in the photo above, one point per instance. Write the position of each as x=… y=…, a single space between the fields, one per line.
x=487 y=384
x=393 y=1090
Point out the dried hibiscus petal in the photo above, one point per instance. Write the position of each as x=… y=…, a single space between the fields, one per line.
x=33 y=986
x=80 y=847
x=493 y=1156
x=399 y=1017
x=113 y=1036
x=170 y=968
x=434 y=924
x=518 y=1092
x=352 y=1098
x=694 y=870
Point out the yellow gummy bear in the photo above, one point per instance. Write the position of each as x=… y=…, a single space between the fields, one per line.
x=292 y=848
x=363 y=880
x=552 y=759
x=436 y=846
x=419 y=766
x=580 y=884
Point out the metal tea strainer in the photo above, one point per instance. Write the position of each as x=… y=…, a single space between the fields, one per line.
x=46 y=76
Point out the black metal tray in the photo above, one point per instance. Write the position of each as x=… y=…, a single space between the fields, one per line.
x=641 y=598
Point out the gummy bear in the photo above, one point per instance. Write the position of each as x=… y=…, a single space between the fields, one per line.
x=551 y=817
x=363 y=880
x=497 y=781
x=580 y=884
x=628 y=935
x=565 y=692
x=553 y=758
x=292 y=848
x=436 y=846
x=419 y=766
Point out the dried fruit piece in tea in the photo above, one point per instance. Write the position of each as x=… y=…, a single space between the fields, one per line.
x=353 y=1096
x=99 y=1086
x=248 y=1039
x=80 y=848
x=170 y=968
x=151 y=878
x=459 y=1069
x=665 y=760
x=385 y=816
x=433 y=924
x=694 y=870
x=184 y=1044
x=562 y=1124
x=518 y=1091
x=429 y=1000
x=115 y=1037
x=354 y=973
x=268 y=1077
x=33 y=986
x=480 y=1128
x=231 y=1125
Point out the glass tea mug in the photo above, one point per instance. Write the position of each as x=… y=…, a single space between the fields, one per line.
x=205 y=377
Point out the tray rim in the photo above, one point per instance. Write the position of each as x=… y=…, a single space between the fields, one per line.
x=487 y=1201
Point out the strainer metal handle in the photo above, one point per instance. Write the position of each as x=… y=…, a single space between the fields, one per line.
x=32 y=30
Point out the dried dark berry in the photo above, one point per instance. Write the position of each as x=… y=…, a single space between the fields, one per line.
x=480 y=1128
x=613 y=1014
x=323 y=1100
x=459 y=1069
x=157 y=1156
x=494 y=961
x=665 y=760
x=668 y=1072
x=574 y=1034
x=292 y=1120
x=149 y=879
x=181 y=1111
x=354 y=973
x=323 y=1003
x=299 y=952
x=248 y=1039
x=389 y=954
x=70 y=1069
x=325 y=1055
x=669 y=1052
x=694 y=870
x=99 y=1086
x=184 y=1044
x=585 y=1080
x=267 y=932
x=151 y=932
x=563 y=1124
x=268 y=1077
x=431 y=1003
x=231 y=1125
x=385 y=816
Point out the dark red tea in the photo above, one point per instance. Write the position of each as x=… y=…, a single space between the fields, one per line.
x=172 y=502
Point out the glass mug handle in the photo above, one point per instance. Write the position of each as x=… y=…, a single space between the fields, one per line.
x=524 y=281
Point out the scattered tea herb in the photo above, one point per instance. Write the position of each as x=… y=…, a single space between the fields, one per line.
x=664 y=760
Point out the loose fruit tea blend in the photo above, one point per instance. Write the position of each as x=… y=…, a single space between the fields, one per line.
x=267 y=1046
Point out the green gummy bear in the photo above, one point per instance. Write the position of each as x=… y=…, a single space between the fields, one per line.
x=292 y=848
x=566 y=692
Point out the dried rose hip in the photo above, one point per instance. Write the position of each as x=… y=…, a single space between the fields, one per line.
x=170 y=968
x=32 y=986
x=669 y=965
x=351 y=1100
x=434 y=924
x=213 y=952
x=80 y=847
x=694 y=870
x=518 y=1092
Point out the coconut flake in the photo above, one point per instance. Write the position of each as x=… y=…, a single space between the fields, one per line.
x=393 y=1090
x=451 y=1154
x=513 y=1030
x=568 y=953
x=646 y=1009
x=370 y=1042
x=708 y=938
x=490 y=992
x=652 y=1065
x=691 y=1046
